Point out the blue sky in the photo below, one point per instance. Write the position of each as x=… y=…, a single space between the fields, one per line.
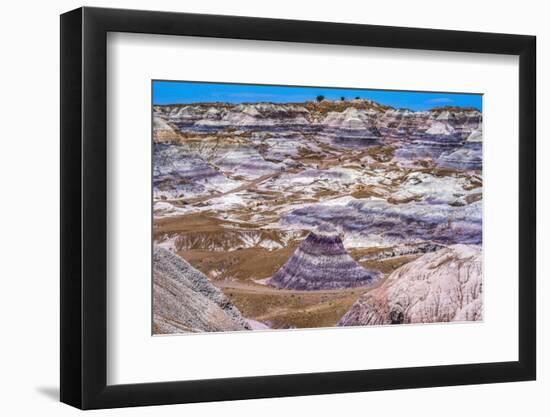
x=174 y=92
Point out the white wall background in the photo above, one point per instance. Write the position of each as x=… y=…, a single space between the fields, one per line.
x=29 y=220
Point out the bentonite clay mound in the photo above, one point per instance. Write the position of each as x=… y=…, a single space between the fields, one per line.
x=320 y=263
x=440 y=286
x=184 y=300
x=163 y=132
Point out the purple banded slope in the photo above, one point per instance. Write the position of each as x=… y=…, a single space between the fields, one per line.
x=184 y=300
x=321 y=262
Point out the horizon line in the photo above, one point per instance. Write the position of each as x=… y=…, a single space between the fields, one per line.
x=309 y=101
x=178 y=92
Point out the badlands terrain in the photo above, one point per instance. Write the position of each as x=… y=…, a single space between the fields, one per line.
x=315 y=214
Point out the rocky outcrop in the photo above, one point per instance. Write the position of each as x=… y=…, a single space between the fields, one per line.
x=406 y=123
x=441 y=286
x=232 y=239
x=469 y=156
x=321 y=262
x=349 y=115
x=350 y=127
x=163 y=132
x=461 y=119
x=404 y=250
x=402 y=123
x=184 y=300
x=179 y=172
x=350 y=119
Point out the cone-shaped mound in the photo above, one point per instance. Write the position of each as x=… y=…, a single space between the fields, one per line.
x=321 y=263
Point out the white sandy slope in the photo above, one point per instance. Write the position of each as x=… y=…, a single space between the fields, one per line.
x=351 y=118
x=440 y=128
x=442 y=286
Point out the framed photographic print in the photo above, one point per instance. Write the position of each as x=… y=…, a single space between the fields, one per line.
x=257 y=208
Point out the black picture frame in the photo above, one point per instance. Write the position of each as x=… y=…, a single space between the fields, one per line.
x=84 y=207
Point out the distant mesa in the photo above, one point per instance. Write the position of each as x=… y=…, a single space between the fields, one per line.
x=475 y=137
x=440 y=137
x=419 y=137
x=184 y=300
x=349 y=119
x=178 y=172
x=440 y=129
x=255 y=115
x=354 y=122
x=441 y=286
x=246 y=161
x=321 y=263
x=468 y=156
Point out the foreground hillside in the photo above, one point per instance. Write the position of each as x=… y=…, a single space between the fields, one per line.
x=437 y=287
